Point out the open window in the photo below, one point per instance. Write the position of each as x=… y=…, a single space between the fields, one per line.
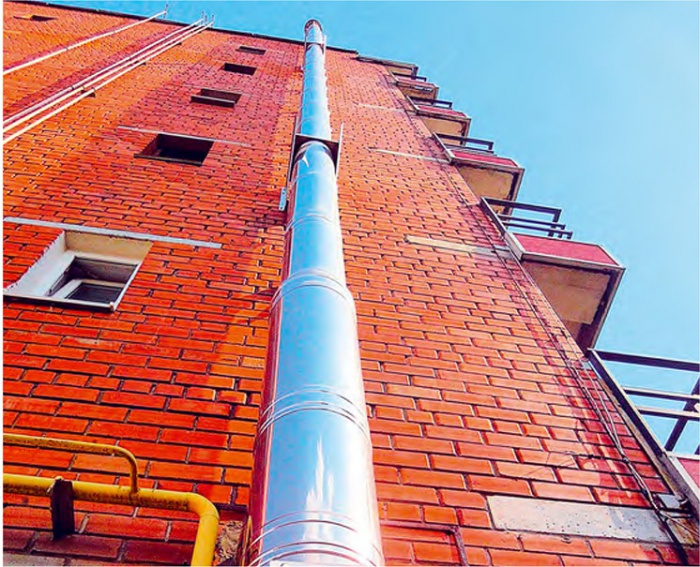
x=176 y=148
x=81 y=269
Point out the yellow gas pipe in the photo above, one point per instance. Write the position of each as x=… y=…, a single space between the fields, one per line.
x=203 y=553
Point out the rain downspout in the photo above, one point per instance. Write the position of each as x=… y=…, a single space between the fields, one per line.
x=313 y=495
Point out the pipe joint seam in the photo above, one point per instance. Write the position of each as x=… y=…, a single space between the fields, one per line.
x=316 y=398
x=312 y=277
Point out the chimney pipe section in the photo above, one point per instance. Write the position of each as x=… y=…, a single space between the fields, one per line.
x=313 y=495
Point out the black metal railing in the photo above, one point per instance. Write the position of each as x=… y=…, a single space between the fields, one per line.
x=412 y=75
x=410 y=67
x=452 y=142
x=551 y=226
x=690 y=411
x=437 y=103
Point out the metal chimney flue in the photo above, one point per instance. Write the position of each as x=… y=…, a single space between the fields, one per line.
x=313 y=495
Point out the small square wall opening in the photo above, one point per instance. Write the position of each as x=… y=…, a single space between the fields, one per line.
x=249 y=49
x=93 y=280
x=82 y=269
x=216 y=97
x=242 y=69
x=35 y=17
x=179 y=149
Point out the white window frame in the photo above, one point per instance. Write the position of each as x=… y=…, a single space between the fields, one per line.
x=74 y=284
x=38 y=281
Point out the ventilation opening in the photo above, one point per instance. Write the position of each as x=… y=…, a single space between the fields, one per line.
x=216 y=97
x=253 y=50
x=82 y=270
x=35 y=17
x=179 y=149
x=242 y=69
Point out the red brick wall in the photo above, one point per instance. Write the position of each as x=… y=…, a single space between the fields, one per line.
x=466 y=369
x=468 y=374
x=174 y=374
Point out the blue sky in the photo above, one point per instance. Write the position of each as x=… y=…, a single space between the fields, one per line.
x=599 y=101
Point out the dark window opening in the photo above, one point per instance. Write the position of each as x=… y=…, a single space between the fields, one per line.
x=216 y=97
x=92 y=280
x=253 y=50
x=242 y=69
x=35 y=17
x=180 y=149
x=95 y=293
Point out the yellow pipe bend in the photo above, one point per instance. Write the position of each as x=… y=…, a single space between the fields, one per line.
x=79 y=446
x=203 y=553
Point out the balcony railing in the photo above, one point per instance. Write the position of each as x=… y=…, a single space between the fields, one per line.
x=466 y=143
x=551 y=227
x=410 y=67
x=411 y=75
x=689 y=412
x=672 y=452
x=437 y=103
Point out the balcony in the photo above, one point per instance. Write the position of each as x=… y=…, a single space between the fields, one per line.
x=409 y=69
x=486 y=173
x=578 y=279
x=440 y=117
x=665 y=421
x=413 y=85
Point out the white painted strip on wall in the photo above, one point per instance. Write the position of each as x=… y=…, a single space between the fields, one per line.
x=401 y=154
x=574 y=518
x=181 y=135
x=377 y=107
x=116 y=233
x=457 y=246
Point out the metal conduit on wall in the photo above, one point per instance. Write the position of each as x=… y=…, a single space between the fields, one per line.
x=89 y=88
x=171 y=39
x=80 y=44
x=313 y=496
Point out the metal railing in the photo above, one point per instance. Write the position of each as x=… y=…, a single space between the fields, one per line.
x=681 y=417
x=410 y=75
x=437 y=103
x=551 y=227
x=466 y=143
x=410 y=67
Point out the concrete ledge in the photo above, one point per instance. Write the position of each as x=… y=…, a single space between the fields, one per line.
x=573 y=518
x=113 y=233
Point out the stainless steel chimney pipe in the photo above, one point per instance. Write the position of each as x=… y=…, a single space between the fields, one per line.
x=313 y=496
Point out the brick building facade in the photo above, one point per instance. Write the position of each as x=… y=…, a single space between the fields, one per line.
x=483 y=412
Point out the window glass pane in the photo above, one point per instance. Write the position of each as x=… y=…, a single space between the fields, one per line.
x=95 y=293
